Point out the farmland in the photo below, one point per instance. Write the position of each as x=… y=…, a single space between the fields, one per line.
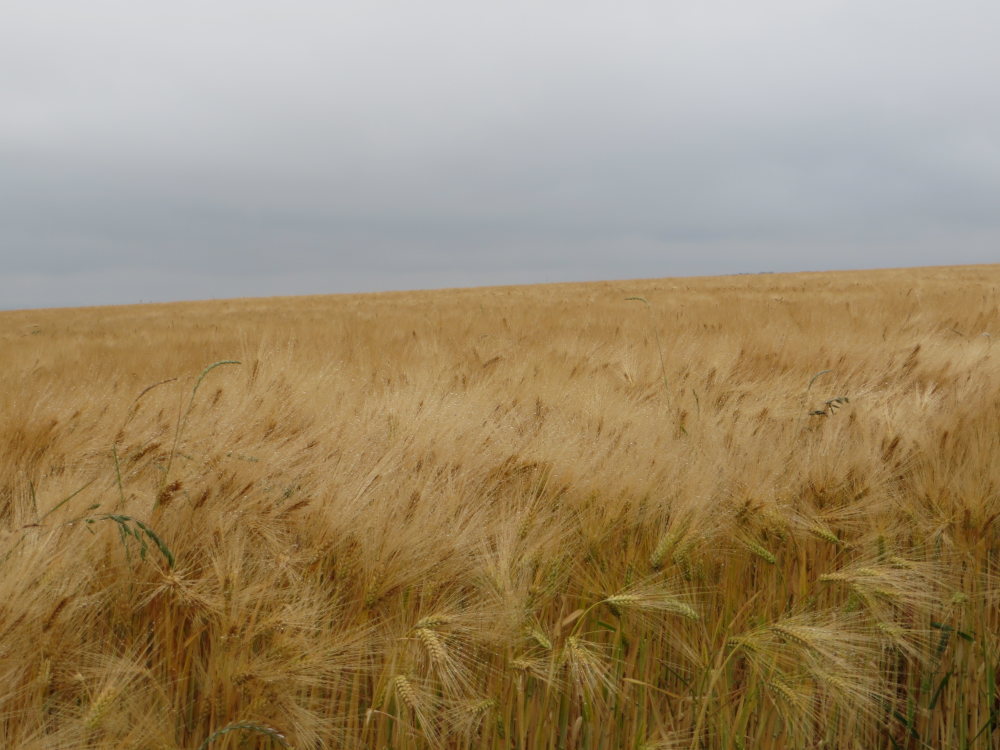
x=740 y=512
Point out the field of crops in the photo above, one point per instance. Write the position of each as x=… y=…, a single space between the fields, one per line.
x=740 y=512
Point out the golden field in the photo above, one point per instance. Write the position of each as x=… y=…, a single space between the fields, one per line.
x=487 y=518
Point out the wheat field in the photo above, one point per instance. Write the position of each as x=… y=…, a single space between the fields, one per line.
x=756 y=512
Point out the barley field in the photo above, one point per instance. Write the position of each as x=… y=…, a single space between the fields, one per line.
x=740 y=512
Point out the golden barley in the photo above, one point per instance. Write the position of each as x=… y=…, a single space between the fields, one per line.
x=479 y=519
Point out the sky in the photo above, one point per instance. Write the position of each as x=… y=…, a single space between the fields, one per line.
x=197 y=150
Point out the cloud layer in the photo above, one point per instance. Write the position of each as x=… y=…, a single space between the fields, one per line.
x=218 y=149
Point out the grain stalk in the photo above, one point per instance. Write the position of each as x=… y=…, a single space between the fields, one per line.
x=182 y=423
x=659 y=349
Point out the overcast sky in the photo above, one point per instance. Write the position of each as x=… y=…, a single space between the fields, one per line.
x=186 y=150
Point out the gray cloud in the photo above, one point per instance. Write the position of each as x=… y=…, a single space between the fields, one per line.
x=217 y=149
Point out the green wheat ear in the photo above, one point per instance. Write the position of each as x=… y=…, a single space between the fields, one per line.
x=125 y=531
x=798 y=422
x=247 y=727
